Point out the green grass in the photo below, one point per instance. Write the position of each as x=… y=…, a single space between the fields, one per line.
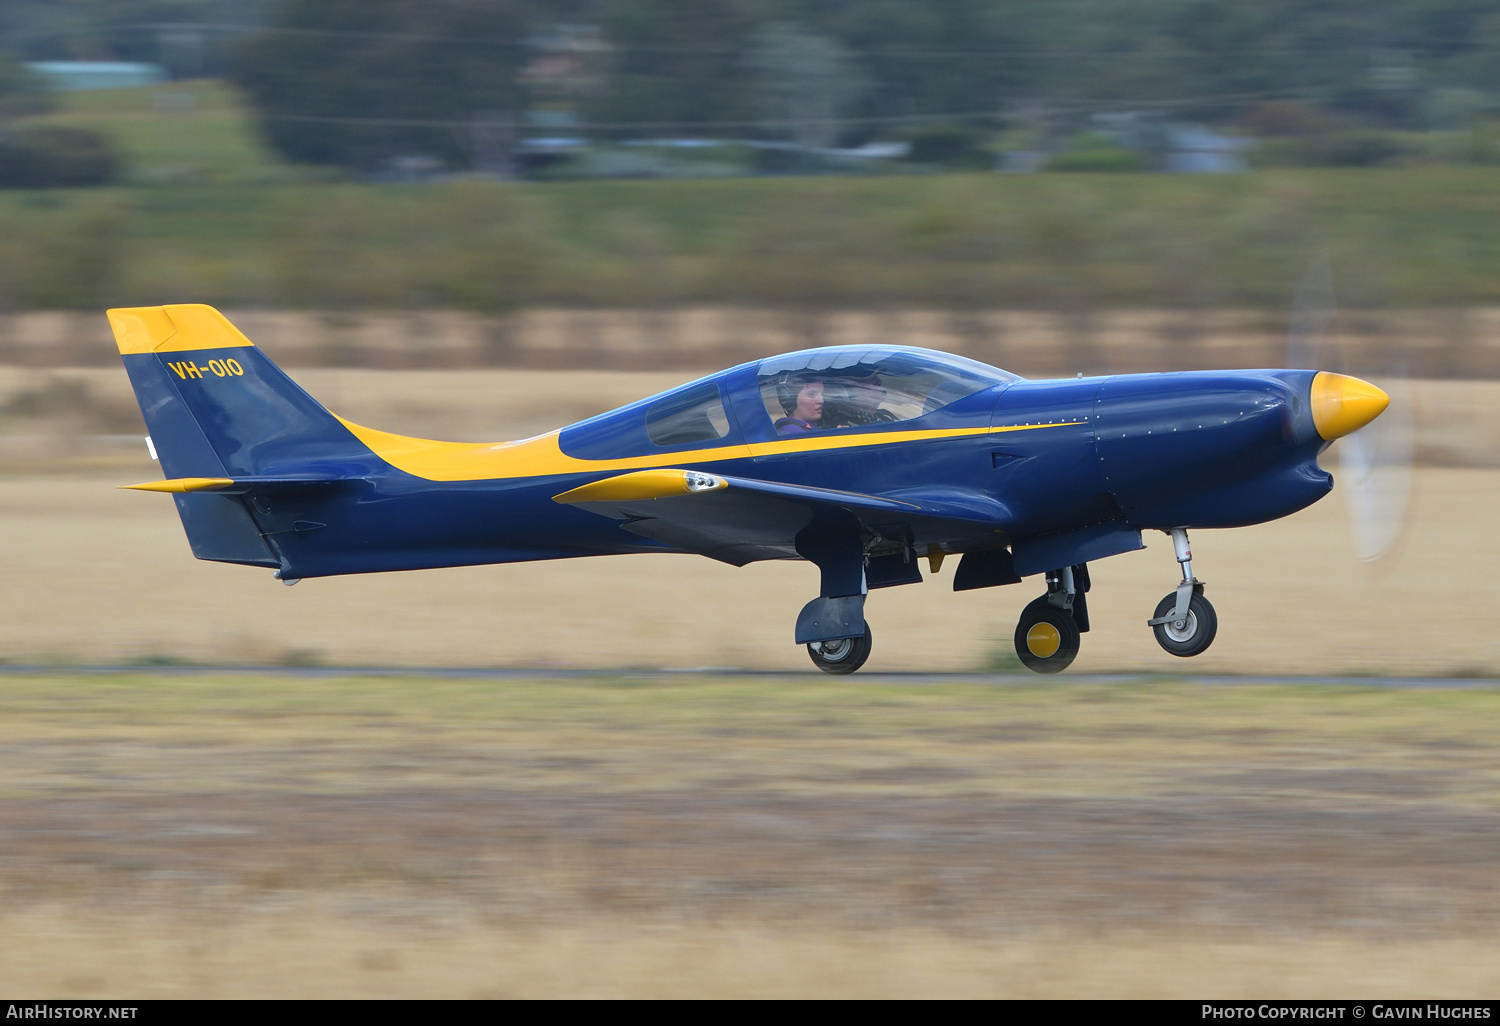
x=796 y=734
x=209 y=213
x=294 y=825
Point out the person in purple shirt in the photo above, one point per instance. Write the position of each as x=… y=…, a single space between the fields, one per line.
x=803 y=402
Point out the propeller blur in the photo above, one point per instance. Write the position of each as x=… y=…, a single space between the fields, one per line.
x=1374 y=464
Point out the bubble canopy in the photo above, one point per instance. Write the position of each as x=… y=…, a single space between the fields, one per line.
x=857 y=386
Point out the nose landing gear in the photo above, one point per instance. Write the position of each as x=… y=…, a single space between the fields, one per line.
x=1184 y=622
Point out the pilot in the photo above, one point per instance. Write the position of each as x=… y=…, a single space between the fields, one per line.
x=860 y=404
x=802 y=399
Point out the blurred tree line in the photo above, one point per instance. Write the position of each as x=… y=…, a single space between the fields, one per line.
x=824 y=72
x=351 y=81
x=357 y=82
x=190 y=38
x=39 y=155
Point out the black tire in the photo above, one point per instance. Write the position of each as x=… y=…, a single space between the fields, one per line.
x=842 y=656
x=1195 y=635
x=1046 y=637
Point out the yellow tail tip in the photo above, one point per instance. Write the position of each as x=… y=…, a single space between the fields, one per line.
x=1341 y=404
x=173 y=329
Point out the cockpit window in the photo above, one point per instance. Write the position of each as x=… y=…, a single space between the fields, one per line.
x=851 y=386
x=696 y=415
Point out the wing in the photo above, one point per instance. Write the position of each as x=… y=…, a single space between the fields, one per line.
x=740 y=520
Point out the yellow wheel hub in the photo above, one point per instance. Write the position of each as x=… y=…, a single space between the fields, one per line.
x=1043 y=640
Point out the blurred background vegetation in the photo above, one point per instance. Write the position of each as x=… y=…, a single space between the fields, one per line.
x=491 y=155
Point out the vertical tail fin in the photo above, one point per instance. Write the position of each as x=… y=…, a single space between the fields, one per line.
x=216 y=407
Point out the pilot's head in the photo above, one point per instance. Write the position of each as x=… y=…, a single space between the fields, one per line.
x=790 y=392
x=802 y=397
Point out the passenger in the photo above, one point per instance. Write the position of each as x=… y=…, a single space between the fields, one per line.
x=803 y=403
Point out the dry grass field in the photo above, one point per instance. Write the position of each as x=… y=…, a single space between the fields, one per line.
x=232 y=836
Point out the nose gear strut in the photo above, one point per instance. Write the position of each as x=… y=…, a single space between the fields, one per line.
x=1184 y=622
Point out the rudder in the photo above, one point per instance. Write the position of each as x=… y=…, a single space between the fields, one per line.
x=216 y=407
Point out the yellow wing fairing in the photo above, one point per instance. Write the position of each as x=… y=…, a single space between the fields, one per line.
x=644 y=484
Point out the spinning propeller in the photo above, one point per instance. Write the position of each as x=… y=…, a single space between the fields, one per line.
x=1375 y=461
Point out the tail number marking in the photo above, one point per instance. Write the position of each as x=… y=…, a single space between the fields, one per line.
x=218 y=368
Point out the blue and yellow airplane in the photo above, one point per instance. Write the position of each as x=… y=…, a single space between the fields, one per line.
x=862 y=460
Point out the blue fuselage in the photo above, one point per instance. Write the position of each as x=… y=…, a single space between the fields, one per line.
x=1146 y=451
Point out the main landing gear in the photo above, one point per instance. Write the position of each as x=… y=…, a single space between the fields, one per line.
x=832 y=626
x=1048 y=634
x=1184 y=622
x=845 y=655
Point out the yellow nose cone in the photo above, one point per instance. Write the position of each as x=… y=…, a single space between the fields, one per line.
x=1342 y=405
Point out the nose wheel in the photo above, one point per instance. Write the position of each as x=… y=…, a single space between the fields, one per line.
x=1184 y=622
x=1187 y=635
x=844 y=655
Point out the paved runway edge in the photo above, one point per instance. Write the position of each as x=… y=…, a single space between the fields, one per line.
x=874 y=677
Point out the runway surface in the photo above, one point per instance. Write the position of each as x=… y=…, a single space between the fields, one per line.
x=898 y=679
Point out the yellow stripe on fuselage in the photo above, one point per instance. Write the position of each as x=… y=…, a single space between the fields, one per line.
x=543 y=456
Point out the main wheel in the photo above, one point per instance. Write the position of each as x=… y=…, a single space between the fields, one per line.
x=1190 y=636
x=1046 y=637
x=842 y=656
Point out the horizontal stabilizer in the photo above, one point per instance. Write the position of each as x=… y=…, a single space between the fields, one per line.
x=236 y=485
x=183 y=484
